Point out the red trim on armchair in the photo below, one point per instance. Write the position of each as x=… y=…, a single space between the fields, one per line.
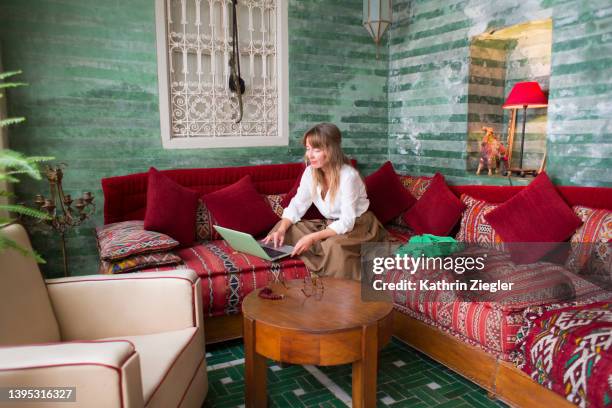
x=172 y=365
x=121 y=279
x=191 y=382
x=193 y=304
x=57 y=343
x=117 y=369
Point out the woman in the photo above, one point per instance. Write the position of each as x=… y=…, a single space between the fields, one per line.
x=329 y=247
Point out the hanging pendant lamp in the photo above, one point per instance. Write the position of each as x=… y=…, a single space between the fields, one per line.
x=377 y=18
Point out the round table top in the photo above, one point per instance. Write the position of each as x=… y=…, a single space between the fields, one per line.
x=339 y=309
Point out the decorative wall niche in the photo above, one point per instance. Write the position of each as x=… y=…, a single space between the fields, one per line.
x=498 y=60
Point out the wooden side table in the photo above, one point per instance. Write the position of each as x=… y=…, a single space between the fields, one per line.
x=338 y=329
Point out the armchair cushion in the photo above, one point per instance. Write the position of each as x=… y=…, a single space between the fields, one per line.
x=169 y=362
x=112 y=353
x=142 y=303
x=105 y=373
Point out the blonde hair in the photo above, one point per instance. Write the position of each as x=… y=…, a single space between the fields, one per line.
x=326 y=136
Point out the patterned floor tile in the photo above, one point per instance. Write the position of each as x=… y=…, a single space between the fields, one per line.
x=406 y=378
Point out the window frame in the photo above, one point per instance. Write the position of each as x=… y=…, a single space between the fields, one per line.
x=163 y=74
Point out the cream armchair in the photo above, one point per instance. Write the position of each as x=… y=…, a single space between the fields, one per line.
x=134 y=340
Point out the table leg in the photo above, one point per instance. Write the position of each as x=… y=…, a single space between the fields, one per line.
x=365 y=370
x=255 y=369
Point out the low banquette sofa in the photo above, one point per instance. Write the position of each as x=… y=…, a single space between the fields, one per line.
x=475 y=339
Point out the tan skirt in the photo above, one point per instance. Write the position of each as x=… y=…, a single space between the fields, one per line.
x=338 y=256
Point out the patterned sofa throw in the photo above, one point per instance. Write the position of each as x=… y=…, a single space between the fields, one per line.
x=567 y=350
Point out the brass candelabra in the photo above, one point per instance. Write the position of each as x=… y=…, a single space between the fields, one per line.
x=64 y=211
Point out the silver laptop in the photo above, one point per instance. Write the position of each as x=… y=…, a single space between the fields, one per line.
x=244 y=242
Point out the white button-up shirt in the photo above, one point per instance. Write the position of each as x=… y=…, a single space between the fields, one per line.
x=350 y=201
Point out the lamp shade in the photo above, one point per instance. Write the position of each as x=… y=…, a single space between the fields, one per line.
x=376 y=17
x=527 y=94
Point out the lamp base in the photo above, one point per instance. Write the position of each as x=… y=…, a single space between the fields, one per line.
x=522 y=172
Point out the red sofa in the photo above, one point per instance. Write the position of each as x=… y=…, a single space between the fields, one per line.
x=227 y=277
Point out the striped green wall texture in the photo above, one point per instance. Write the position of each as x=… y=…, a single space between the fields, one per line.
x=428 y=84
x=92 y=101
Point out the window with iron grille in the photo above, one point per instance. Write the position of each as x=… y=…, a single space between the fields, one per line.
x=194 y=45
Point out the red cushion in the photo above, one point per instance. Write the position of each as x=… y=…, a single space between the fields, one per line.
x=171 y=208
x=240 y=207
x=437 y=211
x=313 y=212
x=388 y=197
x=536 y=214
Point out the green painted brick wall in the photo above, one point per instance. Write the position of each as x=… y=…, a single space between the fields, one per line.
x=429 y=80
x=92 y=101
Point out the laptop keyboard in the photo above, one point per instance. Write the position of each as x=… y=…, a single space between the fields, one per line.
x=272 y=253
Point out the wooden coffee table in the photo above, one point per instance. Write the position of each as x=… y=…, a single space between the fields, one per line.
x=338 y=329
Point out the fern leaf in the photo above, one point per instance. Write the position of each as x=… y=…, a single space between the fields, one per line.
x=11 y=121
x=23 y=210
x=11 y=159
x=40 y=159
x=6 y=194
x=7 y=243
x=8 y=74
x=12 y=84
x=8 y=178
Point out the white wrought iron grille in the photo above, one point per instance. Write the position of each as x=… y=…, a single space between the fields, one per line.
x=199 y=44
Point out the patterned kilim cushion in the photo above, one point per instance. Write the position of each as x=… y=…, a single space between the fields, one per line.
x=204 y=224
x=275 y=202
x=205 y=220
x=136 y=262
x=591 y=243
x=474 y=228
x=417 y=185
x=127 y=238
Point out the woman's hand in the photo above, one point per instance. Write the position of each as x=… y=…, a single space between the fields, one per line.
x=277 y=238
x=303 y=244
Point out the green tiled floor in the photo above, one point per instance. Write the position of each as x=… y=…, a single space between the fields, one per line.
x=406 y=378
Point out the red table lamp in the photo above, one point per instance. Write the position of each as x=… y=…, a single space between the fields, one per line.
x=525 y=95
